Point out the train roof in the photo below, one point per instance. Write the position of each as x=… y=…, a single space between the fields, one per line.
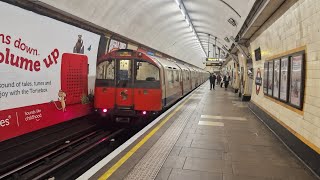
x=158 y=61
x=165 y=62
x=183 y=67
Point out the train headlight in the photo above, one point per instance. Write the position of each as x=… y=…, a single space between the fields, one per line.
x=144 y=112
x=105 y=110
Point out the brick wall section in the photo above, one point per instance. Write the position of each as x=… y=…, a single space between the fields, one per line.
x=299 y=26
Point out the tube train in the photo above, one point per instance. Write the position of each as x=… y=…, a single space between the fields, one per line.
x=132 y=84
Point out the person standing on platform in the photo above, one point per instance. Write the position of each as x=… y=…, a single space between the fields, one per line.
x=222 y=81
x=214 y=77
x=211 y=81
x=226 y=80
x=218 y=79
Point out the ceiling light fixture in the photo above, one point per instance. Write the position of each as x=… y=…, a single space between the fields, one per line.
x=232 y=22
x=191 y=29
x=178 y=3
x=189 y=22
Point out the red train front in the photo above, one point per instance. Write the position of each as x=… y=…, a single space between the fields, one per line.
x=128 y=85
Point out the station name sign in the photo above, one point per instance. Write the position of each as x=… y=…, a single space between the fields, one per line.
x=212 y=59
x=213 y=64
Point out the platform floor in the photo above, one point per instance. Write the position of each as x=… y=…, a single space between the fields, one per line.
x=211 y=135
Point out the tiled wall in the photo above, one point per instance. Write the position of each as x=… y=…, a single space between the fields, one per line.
x=297 y=27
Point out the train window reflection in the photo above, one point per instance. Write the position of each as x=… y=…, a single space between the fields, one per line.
x=147 y=72
x=105 y=70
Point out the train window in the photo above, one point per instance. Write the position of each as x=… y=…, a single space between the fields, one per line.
x=188 y=75
x=183 y=73
x=176 y=74
x=170 y=75
x=146 y=71
x=105 y=70
x=125 y=70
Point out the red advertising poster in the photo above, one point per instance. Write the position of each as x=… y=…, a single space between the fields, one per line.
x=47 y=71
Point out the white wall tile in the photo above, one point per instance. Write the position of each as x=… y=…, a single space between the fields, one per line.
x=299 y=26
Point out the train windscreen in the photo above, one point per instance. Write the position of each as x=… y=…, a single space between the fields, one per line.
x=147 y=75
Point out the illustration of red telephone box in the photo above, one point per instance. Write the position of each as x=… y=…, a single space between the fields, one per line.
x=74 y=77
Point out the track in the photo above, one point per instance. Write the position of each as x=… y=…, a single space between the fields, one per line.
x=75 y=155
x=45 y=165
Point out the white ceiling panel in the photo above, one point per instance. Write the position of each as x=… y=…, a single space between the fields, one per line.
x=161 y=25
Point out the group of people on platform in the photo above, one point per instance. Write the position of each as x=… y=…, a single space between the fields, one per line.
x=222 y=81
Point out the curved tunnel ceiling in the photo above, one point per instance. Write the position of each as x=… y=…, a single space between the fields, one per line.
x=161 y=25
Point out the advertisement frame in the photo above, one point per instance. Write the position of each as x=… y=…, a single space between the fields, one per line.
x=274 y=75
x=265 y=78
x=56 y=76
x=270 y=71
x=112 y=39
x=302 y=80
x=287 y=82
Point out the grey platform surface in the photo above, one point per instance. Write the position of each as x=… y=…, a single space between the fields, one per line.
x=220 y=140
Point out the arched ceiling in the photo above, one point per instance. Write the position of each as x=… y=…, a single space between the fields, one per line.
x=161 y=24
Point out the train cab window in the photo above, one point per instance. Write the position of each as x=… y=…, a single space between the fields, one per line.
x=146 y=74
x=105 y=70
x=146 y=71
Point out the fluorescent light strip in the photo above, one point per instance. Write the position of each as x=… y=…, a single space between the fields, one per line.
x=177 y=1
x=188 y=20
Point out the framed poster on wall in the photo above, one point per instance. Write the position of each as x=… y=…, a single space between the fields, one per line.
x=270 y=78
x=296 y=81
x=284 y=76
x=115 y=45
x=265 y=78
x=276 y=78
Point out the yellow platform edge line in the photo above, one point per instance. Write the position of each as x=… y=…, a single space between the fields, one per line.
x=117 y=165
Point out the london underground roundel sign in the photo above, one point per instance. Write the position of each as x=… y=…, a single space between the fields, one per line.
x=258 y=81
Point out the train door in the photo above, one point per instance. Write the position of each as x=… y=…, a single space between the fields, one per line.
x=147 y=86
x=124 y=84
x=105 y=85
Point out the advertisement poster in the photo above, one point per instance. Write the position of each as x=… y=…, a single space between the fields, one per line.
x=296 y=80
x=265 y=78
x=47 y=71
x=115 y=45
x=270 y=78
x=276 y=78
x=284 y=79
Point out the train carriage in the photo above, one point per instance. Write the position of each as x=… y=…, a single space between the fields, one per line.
x=185 y=79
x=128 y=83
x=173 y=83
x=132 y=84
